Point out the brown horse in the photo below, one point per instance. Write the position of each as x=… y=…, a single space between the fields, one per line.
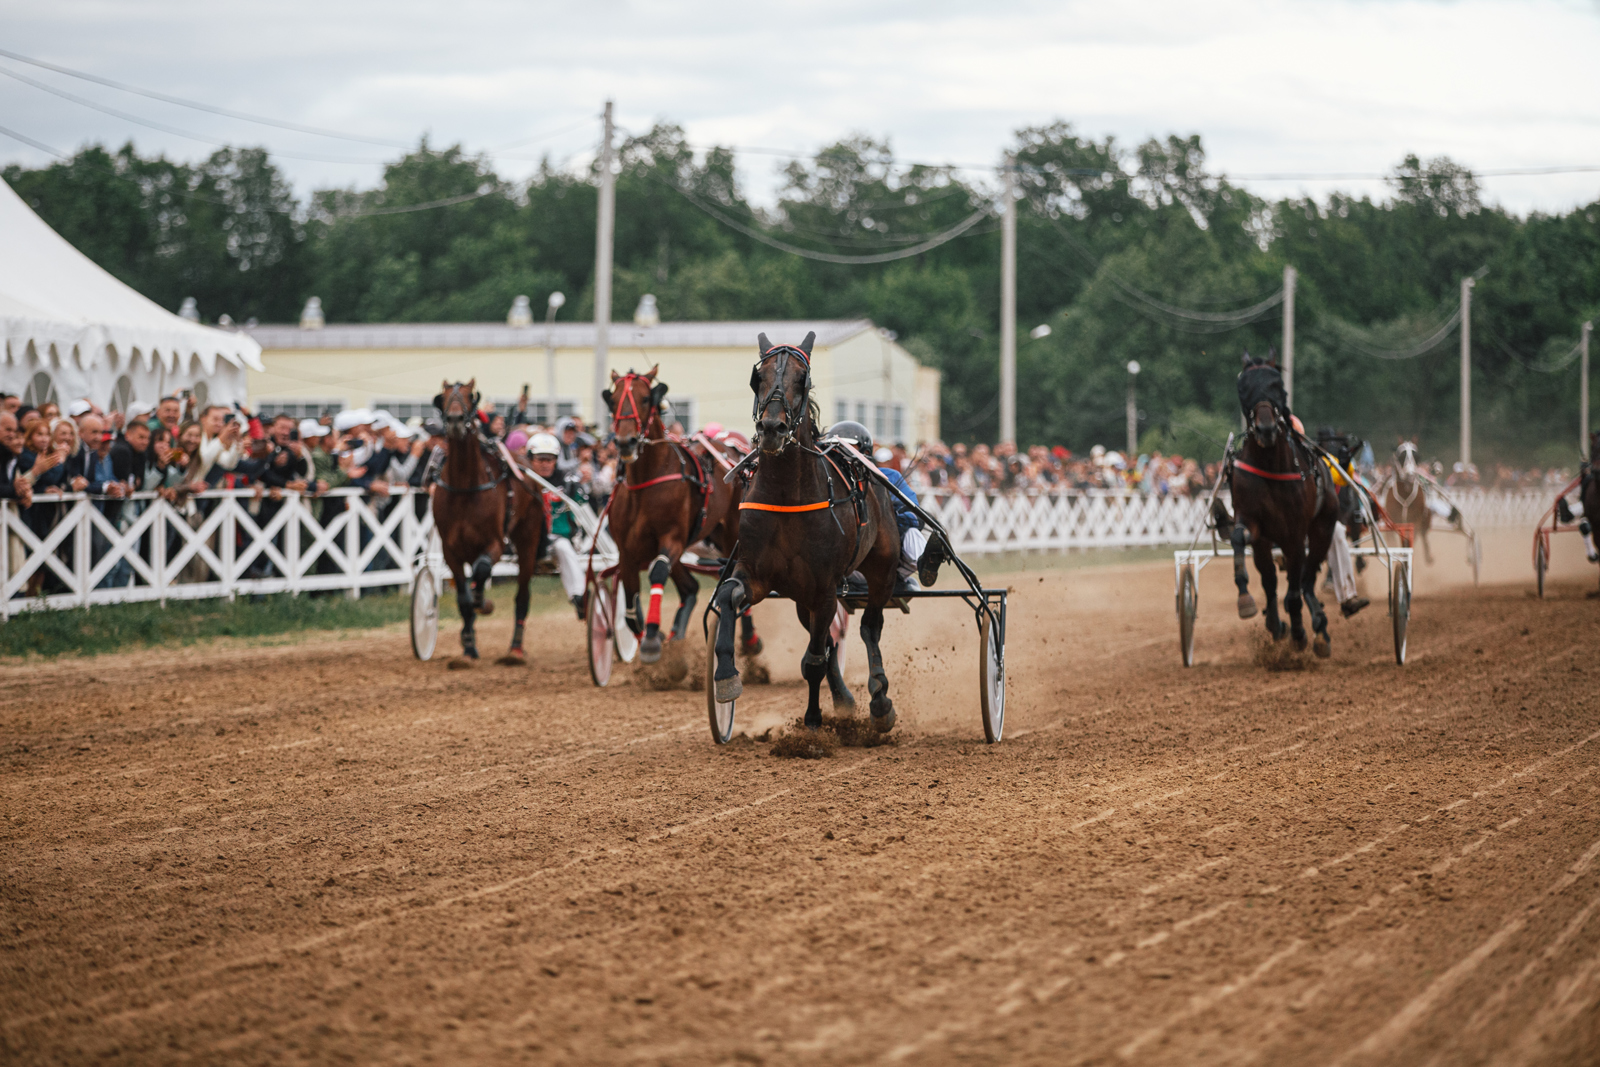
x=479 y=505
x=1283 y=497
x=671 y=496
x=1406 y=500
x=809 y=521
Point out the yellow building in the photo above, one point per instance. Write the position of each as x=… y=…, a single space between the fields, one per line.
x=858 y=370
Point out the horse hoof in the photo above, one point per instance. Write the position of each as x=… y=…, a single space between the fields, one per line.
x=1247 y=606
x=728 y=689
x=514 y=658
x=1322 y=647
x=883 y=722
x=462 y=663
x=753 y=647
x=650 y=650
x=1278 y=632
x=843 y=699
x=1300 y=642
x=485 y=608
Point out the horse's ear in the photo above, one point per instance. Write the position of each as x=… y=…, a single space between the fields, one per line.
x=805 y=346
x=605 y=394
x=614 y=377
x=762 y=344
x=472 y=387
x=658 y=393
x=652 y=372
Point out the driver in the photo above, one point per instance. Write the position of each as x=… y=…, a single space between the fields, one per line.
x=545 y=452
x=917 y=559
x=1341 y=450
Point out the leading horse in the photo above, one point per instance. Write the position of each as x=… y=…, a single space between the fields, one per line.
x=1281 y=496
x=1406 y=498
x=480 y=505
x=809 y=520
x=670 y=497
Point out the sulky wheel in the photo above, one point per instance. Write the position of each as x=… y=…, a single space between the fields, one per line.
x=1188 y=608
x=1541 y=559
x=1400 y=608
x=719 y=713
x=991 y=677
x=424 y=613
x=623 y=639
x=597 y=628
x=1475 y=555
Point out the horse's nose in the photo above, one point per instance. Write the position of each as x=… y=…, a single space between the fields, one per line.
x=770 y=425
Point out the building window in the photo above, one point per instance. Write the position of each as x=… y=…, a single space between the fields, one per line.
x=682 y=412
x=541 y=411
x=897 y=424
x=300 y=407
x=841 y=410
x=878 y=427
x=404 y=407
x=41 y=391
x=861 y=412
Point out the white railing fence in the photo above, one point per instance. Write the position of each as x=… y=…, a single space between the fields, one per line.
x=233 y=542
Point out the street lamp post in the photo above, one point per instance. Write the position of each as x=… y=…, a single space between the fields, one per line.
x=557 y=298
x=1133 y=409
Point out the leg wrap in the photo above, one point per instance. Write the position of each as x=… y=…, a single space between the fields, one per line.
x=659 y=572
x=814 y=668
x=516 y=635
x=481 y=567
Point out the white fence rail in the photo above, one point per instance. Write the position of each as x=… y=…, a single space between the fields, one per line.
x=233 y=542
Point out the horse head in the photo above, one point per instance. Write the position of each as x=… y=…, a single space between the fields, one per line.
x=1405 y=464
x=781 y=382
x=458 y=403
x=635 y=404
x=1265 y=424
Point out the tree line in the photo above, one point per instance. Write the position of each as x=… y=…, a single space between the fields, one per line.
x=1126 y=253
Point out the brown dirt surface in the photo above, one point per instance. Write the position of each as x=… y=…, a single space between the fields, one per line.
x=329 y=852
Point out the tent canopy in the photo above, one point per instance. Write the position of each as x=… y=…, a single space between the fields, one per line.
x=68 y=310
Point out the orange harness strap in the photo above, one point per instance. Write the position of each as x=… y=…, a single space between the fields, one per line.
x=750 y=505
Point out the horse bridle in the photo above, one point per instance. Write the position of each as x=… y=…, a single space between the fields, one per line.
x=1406 y=468
x=791 y=413
x=456 y=428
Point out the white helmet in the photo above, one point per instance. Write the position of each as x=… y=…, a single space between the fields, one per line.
x=543 y=444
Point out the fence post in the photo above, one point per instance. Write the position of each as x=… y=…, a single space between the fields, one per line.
x=81 y=563
x=229 y=543
x=5 y=560
x=354 y=505
x=296 y=502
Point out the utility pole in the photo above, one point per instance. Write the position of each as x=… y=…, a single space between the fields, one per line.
x=1466 y=372
x=1133 y=411
x=604 y=229
x=1583 y=391
x=1289 y=276
x=1008 y=306
x=553 y=305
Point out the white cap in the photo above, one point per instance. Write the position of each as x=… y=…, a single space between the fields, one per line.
x=79 y=407
x=400 y=429
x=543 y=444
x=349 y=420
x=310 y=428
x=882 y=455
x=138 y=408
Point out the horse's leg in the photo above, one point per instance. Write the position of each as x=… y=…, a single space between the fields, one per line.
x=814 y=664
x=1294 y=556
x=516 y=657
x=729 y=599
x=482 y=568
x=660 y=570
x=469 y=637
x=881 y=706
x=749 y=641
x=842 y=697
x=688 y=591
x=1422 y=530
x=1241 y=577
x=1269 y=588
x=1321 y=540
x=630 y=594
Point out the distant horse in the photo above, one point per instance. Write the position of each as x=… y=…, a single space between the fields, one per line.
x=1283 y=497
x=479 y=504
x=810 y=519
x=1406 y=498
x=671 y=496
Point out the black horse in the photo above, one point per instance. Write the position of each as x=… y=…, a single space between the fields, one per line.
x=808 y=521
x=1283 y=496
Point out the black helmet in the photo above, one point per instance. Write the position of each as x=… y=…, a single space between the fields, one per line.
x=855 y=433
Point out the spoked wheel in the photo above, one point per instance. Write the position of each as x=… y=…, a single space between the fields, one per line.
x=623 y=638
x=597 y=625
x=1541 y=559
x=1188 y=608
x=424 y=613
x=1400 y=609
x=720 y=713
x=1475 y=556
x=991 y=678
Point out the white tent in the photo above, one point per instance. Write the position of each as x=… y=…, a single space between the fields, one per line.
x=72 y=331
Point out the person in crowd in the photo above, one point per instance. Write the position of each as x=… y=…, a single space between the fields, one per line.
x=169 y=413
x=221 y=447
x=544 y=451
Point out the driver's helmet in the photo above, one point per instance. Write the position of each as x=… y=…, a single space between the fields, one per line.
x=855 y=433
x=544 y=444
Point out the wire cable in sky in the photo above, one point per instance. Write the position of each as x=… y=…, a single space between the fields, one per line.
x=1350 y=336
x=181 y=102
x=1550 y=366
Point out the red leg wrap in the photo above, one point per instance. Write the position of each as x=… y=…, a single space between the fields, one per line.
x=653 y=615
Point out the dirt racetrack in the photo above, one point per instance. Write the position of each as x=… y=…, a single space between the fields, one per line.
x=329 y=852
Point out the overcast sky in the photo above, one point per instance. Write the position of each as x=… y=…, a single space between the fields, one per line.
x=1339 y=86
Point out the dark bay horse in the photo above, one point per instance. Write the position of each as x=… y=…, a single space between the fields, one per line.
x=1281 y=496
x=671 y=495
x=1407 y=498
x=808 y=521
x=478 y=506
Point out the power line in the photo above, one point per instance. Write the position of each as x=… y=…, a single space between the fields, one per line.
x=1552 y=366
x=197 y=105
x=1341 y=332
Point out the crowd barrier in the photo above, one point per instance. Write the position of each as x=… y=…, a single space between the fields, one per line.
x=235 y=543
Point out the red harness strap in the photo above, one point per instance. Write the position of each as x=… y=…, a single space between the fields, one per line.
x=1273 y=476
x=655 y=481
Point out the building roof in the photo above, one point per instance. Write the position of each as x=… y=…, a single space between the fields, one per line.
x=53 y=296
x=624 y=335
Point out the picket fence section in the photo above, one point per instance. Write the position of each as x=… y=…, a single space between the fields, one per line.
x=349 y=541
